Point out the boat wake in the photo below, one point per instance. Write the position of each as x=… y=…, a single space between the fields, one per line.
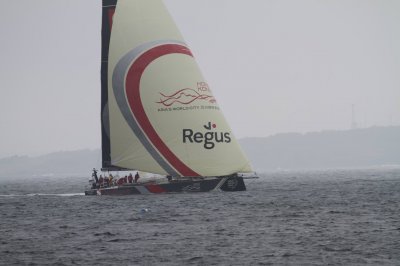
x=43 y=194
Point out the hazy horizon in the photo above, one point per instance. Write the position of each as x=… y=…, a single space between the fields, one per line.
x=372 y=148
x=273 y=66
x=281 y=134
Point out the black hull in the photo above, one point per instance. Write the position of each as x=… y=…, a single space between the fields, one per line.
x=181 y=186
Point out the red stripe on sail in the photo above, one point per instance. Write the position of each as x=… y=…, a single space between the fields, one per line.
x=133 y=94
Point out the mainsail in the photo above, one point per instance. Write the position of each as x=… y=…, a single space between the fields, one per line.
x=158 y=112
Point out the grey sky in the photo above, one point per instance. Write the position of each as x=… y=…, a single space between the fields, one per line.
x=274 y=66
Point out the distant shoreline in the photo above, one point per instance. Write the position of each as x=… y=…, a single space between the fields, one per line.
x=368 y=148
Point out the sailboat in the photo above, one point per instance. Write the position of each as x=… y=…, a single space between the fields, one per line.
x=158 y=114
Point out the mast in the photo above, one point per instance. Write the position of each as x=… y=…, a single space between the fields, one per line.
x=107 y=15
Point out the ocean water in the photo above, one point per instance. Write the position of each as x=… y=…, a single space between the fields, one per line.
x=336 y=217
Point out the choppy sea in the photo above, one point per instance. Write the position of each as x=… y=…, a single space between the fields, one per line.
x=335 y=217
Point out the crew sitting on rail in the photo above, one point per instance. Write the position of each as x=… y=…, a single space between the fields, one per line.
x=101 y=180
x=107 y=181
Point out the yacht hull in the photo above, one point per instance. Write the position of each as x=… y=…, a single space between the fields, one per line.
x=181 y=186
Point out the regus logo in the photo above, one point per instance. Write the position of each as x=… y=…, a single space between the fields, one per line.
x=208 y=138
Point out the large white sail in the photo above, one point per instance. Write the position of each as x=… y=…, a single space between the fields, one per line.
x=163 y=117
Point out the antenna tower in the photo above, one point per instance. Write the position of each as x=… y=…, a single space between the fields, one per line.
x=353 y=118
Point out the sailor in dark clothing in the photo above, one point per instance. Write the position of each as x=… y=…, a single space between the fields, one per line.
x=137 y=177
x=130 y=178
x=93 y=183
x=94 y=175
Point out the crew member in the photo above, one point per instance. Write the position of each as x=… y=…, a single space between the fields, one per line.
x=101 y=181
x=130 y=178
x=94 y=175
x=137 y=177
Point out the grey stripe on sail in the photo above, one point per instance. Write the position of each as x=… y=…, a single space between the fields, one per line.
x=118 y=83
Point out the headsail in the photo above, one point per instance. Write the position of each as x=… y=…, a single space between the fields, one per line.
x=162 y=115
